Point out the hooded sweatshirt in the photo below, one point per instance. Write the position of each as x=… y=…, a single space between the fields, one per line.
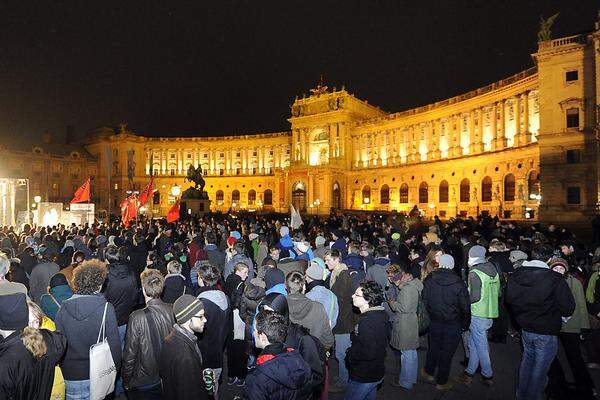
x=80 y=319
x=280 y=374
x=539 y=298
x=217 y=327
x=312 y=316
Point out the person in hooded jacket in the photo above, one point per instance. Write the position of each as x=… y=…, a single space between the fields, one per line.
x=80 y=320
x=280 y=372
x=539 y=299
x=307 y=313
x=218 y=324
x=120 y=290
x=355 y=264
x=41 y=274
x=484 y=289
x=298 y=337
x=66 y=254
x=28 y=355
x=58 y=291
x=377 y=272
x=285 y=241
x=446 y=299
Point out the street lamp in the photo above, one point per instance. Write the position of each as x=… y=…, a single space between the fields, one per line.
x=317 y=204
x=37 y=199
x=175 y=190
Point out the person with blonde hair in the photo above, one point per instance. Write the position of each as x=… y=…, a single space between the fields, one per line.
x=28 y=354
x=39 y=321
x=432 y=261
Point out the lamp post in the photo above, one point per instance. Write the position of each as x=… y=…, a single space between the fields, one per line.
x=176 y=190
x=317 y=204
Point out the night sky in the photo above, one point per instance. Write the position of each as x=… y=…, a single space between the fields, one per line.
x=223 y=67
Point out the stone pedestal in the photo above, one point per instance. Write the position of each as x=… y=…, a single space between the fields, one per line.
x=196 y=207
x=196 y=202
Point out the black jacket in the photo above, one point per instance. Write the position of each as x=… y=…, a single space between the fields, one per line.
x=17 y=377
x=217 y=327
x=539 y=298
x=137 y=260
x=365 y=358
x=181 y=368
x=280 y=374
x=21 y=375
x=342 y=288
x=140 y=354
x=121 y=291
x=311 y=350
x=446 y=298
x=174 y=288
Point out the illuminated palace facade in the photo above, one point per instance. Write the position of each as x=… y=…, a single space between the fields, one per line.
x=523 y=147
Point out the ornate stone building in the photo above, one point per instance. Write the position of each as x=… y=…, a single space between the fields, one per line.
x=523 y=147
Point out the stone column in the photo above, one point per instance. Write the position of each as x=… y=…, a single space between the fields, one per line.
x=526 y=132
x=517 y=116
x=455 y=131
x=332 y=133
x=500 y=133
x=472 y=134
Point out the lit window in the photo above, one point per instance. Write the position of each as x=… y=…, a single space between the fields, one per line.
x=116 y=186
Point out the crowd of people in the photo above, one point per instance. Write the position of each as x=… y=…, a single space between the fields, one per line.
x=293 y=313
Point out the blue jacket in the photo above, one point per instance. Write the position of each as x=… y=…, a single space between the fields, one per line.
x=340 y=245
x=48 y=304
x=356 y=268
x=280 y=374
x=286 y=243
x=80 y=319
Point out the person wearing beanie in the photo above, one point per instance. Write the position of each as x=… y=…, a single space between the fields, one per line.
x=484 y=290
x=516 y=257
x=317 y=291
x=58 y=291
x=446 y=299
x=303 y=251
x=569 y=338
x=285 y=241
x=539 y=299
x=180 y=356
x=275 y=281
x=320 y=249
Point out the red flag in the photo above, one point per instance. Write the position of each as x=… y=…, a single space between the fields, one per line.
x=125 y=212
x=83 y=193
x=129 y=209
x=147 y=192
x=173 y=214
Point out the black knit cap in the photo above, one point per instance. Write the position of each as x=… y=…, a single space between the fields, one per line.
x=58 y=280
x=14 y=314
x=186 y=307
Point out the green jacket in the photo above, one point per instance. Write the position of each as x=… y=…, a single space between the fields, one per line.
x=580 y=318
x=484 y=290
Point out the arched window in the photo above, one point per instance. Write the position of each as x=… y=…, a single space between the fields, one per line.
x=443 y=191
x=384 y=195
x=366 y=194
x=251 y=197
x=509 y=187
x=404 y=193
x=219 y=197
x=423 y=193
x=268 y=196
x=486 y=189
x=533 y=185
x=465 y=191
x=235 y=196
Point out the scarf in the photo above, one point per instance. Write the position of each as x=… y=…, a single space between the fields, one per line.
x=336 y=272
x=590 y=293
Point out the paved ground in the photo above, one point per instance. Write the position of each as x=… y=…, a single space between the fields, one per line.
x=505 y=362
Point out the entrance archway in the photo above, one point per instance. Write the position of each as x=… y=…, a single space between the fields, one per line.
x=336 y=197
x=299 y=197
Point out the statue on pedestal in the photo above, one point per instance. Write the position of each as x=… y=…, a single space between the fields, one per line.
x=195 y=175
x=545 y=25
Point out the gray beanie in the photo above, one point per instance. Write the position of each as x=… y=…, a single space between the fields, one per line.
x=476 y=255
x=517 y=255
x=446 y=261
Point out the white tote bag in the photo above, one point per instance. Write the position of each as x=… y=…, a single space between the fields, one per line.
x=239 y=326
x=103 y=372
